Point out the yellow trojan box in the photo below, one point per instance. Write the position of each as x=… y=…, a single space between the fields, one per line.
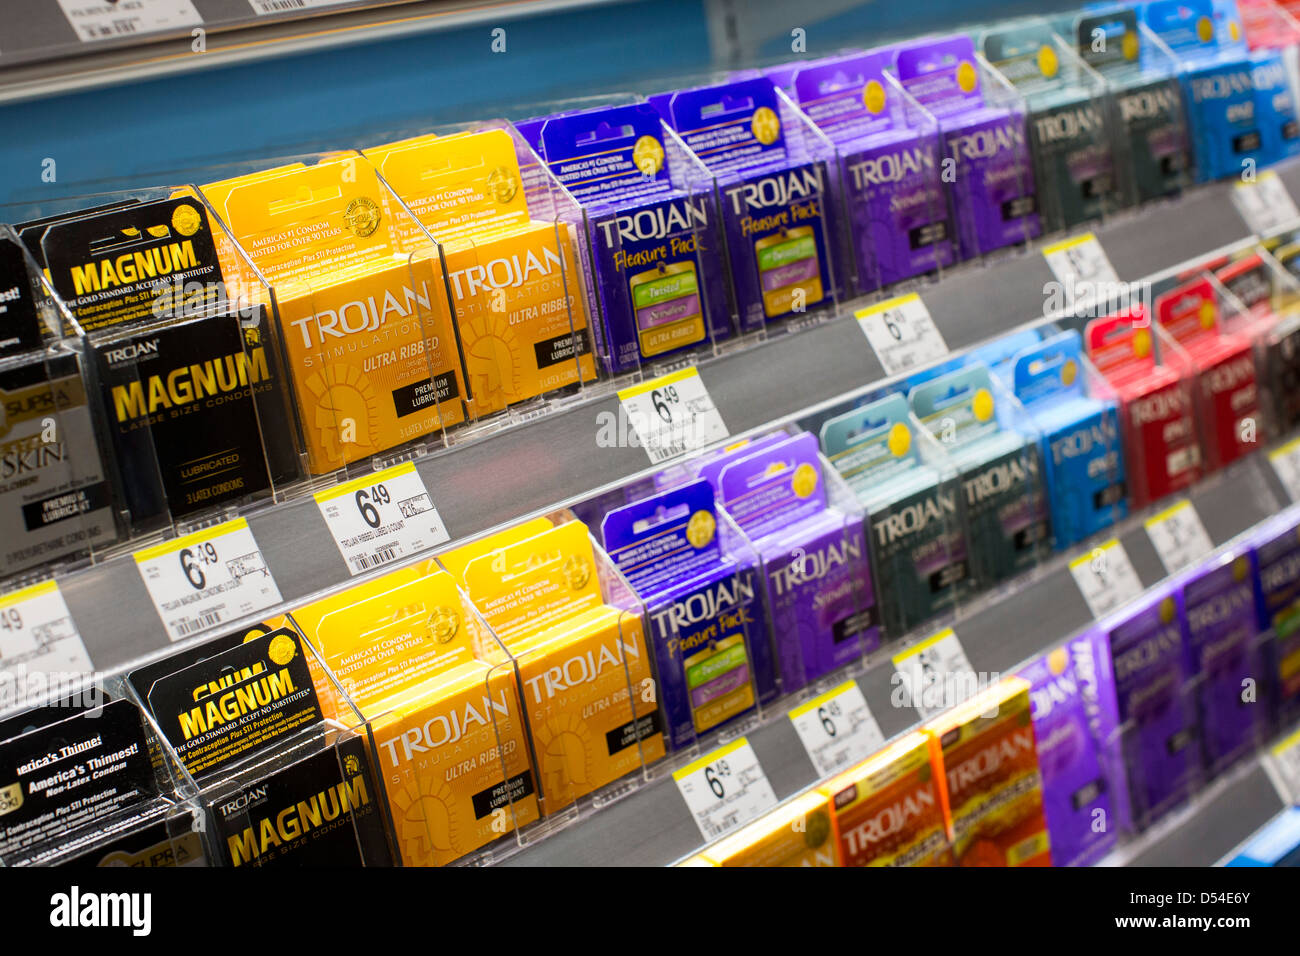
x=797 y=833
x=514 y=282
x=447 y=728
x=367 y=335
x=583 y=668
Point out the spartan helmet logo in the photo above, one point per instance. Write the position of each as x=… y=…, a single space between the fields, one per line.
x=345 y=416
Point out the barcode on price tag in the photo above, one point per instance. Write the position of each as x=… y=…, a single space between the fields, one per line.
x=1084 y=271
x=111 y=19
x=672 y=414
x=837 y=729
x=1106 y=577
x=725 y=789
x=902 y=333
x=208 y=578
x=381 y=518
x=1265 y=204
x=935 y=675
x=1286 y=462
x=38 y=636
x=1283 y=768
x=265 y=8
x=1178 y=536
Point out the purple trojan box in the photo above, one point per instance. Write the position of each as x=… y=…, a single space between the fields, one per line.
x=814 y=557
x=897 y=207
x=775 y=184
x=1076 y=797
x=1221 y=630
x=1134 y=677
x=653 y=225
x=988 y=166
x=1277 y=563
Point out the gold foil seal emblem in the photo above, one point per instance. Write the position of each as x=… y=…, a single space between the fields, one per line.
x=362 y=217
x=186 y=219
x=282 y=649
x=765 y=126
x=443 y=624
x=648 y=155
x=805 y=480
x=576 y=571
x=699 y=530
x=502 y=185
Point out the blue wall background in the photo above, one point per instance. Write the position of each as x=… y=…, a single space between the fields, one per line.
x=119 y=135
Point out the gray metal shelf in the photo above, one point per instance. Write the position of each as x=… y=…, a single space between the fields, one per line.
x=653 y=827
x=527 y=468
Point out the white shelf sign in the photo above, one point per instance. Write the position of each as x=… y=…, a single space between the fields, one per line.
x=381 y=518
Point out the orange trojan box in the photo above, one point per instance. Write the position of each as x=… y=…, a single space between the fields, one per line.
x=888 y=810
x=991 y=786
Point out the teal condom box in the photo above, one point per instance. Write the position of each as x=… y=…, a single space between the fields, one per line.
x=984 y=433
x=775 y=186
x=915 y=523
x=819 y=592
x=1081 y=444
x=1151 y=128
x=1069 y=122
x=704 y=603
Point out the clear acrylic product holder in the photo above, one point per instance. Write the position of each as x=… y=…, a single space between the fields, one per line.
x=405 y=622
x=1024 y=531
x=352 y=417
x=1233 y=324
x=920 y=581
x=1089 y=173
x=673 y=605
x=864 y=271
x=1020 y=212
x=1112 y=472
x=800 y=674
x=1144 y=473
x=1266 y=300
x=631 y=343
x=173 y=805
x=74 y=512
x=568 y=783
x=1166 y=157
x=149 y=498
x=808 y=148
x=500 y=332
x=337 y=747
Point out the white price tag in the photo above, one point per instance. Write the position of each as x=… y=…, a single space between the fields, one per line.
x=1265 y=204
x=1282 y=763
x=207 y=579
x=381 y=518
x=1178 y=536
x=1084 y=271
x=902 y=333
x=672 y=414
x=725 y=789
x=1106 y=577
x=264 y=8
x=38 y=636
x=837 y=729
x=110 y=19
x=935 y=675
x=1286 y=462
